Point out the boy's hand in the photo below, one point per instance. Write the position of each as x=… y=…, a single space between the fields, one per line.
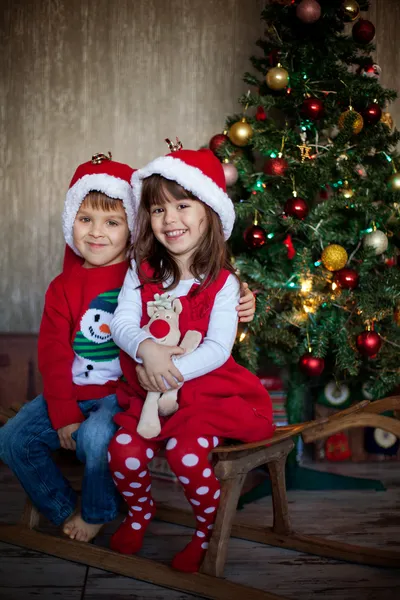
x=247 y=305
x=158 y=365
x=64 y=435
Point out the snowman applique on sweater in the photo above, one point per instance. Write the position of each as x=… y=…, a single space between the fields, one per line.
x=96 y=354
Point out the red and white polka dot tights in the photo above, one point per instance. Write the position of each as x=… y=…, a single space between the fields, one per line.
x=187 y=456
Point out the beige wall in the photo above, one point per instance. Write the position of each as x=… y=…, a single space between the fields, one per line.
x=83 y=76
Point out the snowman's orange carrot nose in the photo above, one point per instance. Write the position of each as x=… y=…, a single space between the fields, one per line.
x=104 y=328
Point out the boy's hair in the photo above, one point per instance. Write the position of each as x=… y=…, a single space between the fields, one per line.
x=100 y=201
x=210 y=257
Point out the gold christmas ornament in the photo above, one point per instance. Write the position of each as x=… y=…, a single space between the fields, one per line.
x=377 y=240
x=334 y=257
x=358 y=123
x=351 y=10
x=394 y=182
x=240 y=133
x=277 y=78
x=346 y=191
x=387 y=120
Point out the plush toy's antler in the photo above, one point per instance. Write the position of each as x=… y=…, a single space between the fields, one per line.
x=162 y=301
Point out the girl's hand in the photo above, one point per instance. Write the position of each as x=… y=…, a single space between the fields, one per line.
x=144 y=380
x=247 y=305
x=158 y=365
x=64 y=435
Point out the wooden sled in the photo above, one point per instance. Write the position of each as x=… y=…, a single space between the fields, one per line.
x=232 y=463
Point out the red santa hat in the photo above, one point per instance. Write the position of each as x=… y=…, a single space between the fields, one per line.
x=101 y=174
x=199 y=172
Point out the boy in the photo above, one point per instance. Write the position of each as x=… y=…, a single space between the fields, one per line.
x=78 y=359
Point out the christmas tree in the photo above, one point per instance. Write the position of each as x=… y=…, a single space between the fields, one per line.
x=311 y=165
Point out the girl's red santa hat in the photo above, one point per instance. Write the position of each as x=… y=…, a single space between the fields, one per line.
x=199 y=172
x=101 y=174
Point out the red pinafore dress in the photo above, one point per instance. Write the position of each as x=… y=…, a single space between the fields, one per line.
x=229 y=402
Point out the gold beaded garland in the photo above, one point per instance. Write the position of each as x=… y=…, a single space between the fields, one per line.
x=334 y=257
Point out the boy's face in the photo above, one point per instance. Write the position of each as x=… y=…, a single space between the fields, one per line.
x=101 y=236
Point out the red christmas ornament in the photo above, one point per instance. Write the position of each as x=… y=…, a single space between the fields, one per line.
x=391 y=261
x=217 y=141
x=291 y=251
x=308 y=11
x=296 y=207
x=337 y=447
x=368 y=343
x=273 y=57
x=372 y=114
x=311 y=365
x=255 y=236
x=276 y=167
x=363 y=31
x=260 y=114
x=313 y=108
x=347 y=279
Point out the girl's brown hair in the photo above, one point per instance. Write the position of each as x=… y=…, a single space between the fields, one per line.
x=209 y=258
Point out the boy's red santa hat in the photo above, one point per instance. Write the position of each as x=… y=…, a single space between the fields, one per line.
x=101 y=174
x=199 y=172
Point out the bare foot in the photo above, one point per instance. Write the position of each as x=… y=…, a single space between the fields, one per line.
x=77 y=529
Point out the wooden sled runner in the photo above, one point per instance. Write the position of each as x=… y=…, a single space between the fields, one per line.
x=232 y=463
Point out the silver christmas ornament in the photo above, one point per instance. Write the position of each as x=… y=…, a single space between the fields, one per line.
x=377 y=240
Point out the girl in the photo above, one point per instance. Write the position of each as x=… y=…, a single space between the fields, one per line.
x=183 y=217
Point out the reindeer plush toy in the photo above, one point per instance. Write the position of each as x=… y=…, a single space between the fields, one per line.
x=164 y=313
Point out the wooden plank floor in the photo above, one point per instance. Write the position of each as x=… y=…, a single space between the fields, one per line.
x=364 y=517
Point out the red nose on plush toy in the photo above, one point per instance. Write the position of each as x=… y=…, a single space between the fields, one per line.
x=159 y=328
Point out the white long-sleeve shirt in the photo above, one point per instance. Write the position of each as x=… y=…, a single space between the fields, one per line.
x=217 y=345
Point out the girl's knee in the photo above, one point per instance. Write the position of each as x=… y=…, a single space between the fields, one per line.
x=188 y=451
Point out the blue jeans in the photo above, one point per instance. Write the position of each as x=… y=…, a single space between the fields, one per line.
x=27 y=441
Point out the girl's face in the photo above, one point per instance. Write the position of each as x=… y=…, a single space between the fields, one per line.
x=179 y=225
